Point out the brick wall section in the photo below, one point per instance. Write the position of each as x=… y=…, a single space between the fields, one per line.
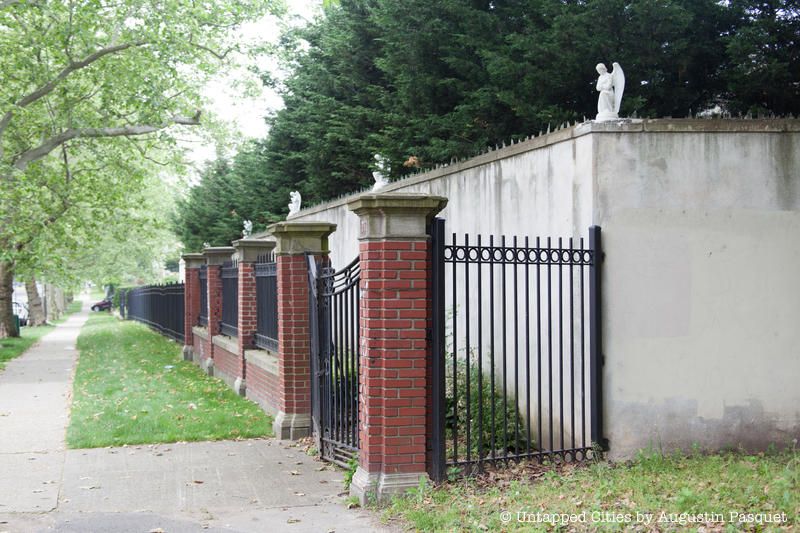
x=214 y=273
x=394 y=313
x=263 y=388
x=227 y=363
x=200 y=349
x=293 y=335
x=191 y=304
x=248 y=307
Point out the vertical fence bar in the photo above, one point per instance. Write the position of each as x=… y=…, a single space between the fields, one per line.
x=438 y=457
x=596 y=338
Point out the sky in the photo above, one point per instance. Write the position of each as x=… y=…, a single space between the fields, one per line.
x=246 y=112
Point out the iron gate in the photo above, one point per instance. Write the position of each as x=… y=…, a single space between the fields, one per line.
x=335 y=336
x=516 y=350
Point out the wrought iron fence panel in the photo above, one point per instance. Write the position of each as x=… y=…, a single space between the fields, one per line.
x=516 y=341
x=338 y=366
x=202 y=318
x=266 y=303
x=159 y=306
x=229 y=325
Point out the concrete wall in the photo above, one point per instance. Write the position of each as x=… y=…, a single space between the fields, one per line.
x=701 y=224
x=701 y=229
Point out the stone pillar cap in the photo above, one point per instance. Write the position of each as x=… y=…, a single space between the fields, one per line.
x=301 y=237
x=194 y=260
x=398 y=201
x=395 y=216
x=217 y=255
x=248 y=250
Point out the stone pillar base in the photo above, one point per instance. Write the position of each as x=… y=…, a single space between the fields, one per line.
x=208 y=366
x=288 y=426
x=239 y=386
x=378 y=487
x=187 y=353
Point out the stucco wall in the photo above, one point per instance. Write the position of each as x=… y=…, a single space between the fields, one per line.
x=701 y=229
x=701 y=226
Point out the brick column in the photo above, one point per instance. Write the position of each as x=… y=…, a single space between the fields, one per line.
x=395 y=317
x=215 y=257
x=295 y=242
x=191 y=300
x=247 y=254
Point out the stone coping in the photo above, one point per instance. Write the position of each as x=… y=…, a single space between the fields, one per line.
x=230 y=344
x=200 y=331
x=263 y=359
x=661 y=125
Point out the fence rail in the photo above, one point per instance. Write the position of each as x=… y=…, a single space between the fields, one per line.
x=267 y=303
x=230 y=299
x=158 y=306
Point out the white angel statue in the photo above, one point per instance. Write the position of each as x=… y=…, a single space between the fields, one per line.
x=247 y=228
x=379 y=175
x=294 y=204
x=610 y=86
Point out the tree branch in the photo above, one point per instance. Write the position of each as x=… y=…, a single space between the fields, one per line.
x=72 y=67
x=48 y=145
x=48 y=87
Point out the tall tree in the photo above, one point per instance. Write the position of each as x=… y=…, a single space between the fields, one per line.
x=94 y=83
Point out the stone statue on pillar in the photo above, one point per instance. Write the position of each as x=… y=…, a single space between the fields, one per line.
x=294 y=204
x=380 y=175
x=610 y=86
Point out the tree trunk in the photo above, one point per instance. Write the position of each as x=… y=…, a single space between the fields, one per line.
x=35 y=309
x=7 y=326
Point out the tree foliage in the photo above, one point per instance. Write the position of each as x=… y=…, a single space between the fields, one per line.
x=423 y=82
x=89 y=90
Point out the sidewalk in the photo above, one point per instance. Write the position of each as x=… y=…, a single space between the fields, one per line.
x=247 y=486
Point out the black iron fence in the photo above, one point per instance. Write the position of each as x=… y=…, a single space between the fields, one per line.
x=337 y=364
x=230 y=299
x=517 y=350
x=267 y=302
x=202 y=318
x=158 y=306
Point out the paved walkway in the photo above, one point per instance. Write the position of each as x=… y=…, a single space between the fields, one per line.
x=247 y=486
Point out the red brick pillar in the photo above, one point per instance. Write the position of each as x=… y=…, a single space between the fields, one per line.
x=247 y=253
x=296 y=241
x=395 y=316
x=191 y=300
x=215 y=257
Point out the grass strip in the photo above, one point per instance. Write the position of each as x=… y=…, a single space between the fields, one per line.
x=688 y=489
x=132 y=387
x=16 y=346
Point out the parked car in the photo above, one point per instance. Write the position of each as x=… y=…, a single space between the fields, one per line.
x=102 y=305
x=21 y=310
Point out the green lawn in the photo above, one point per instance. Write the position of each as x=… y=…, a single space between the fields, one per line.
x=132 y=387
x=724 y=484
x=11 y=348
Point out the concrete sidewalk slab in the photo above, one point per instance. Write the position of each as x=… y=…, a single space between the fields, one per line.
x=34 y=412
x=247 y=486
